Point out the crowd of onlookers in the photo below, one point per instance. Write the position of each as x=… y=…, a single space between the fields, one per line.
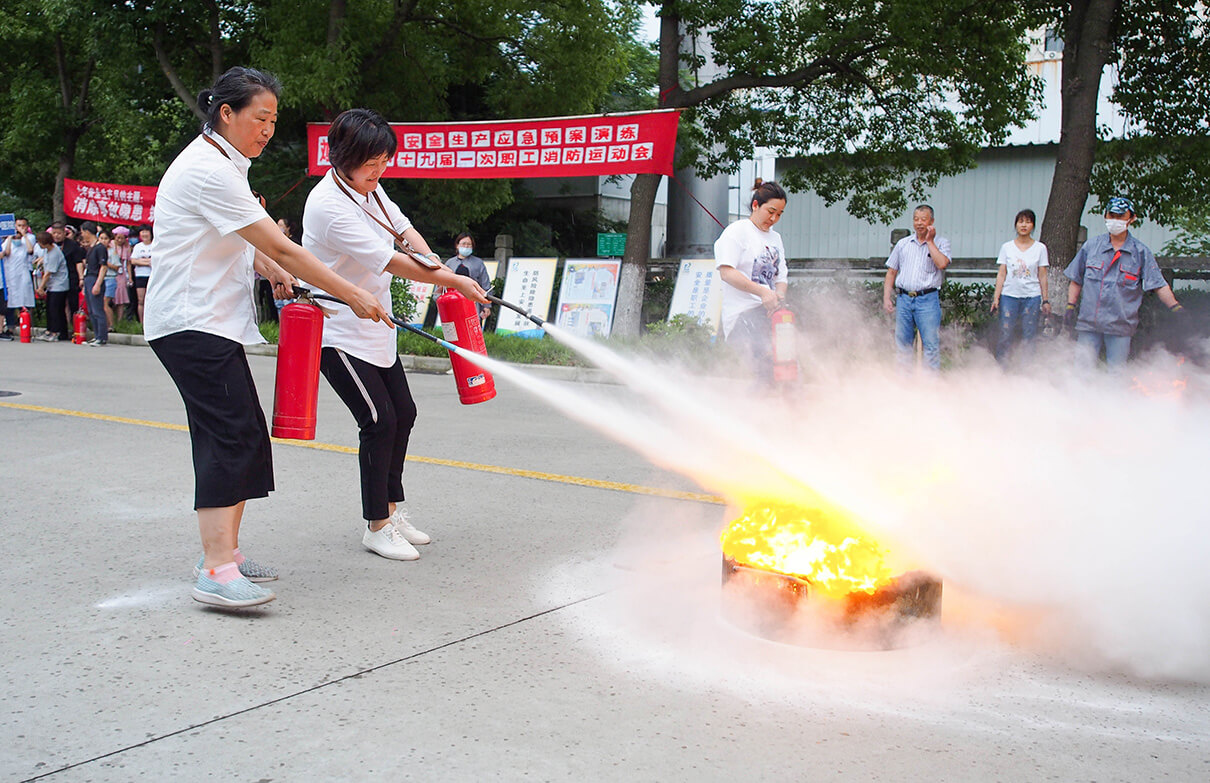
x=104 y=270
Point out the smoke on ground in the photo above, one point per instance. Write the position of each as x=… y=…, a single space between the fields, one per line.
x=1063 y=508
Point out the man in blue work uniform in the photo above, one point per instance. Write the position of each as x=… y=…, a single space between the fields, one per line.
x=1108 y=277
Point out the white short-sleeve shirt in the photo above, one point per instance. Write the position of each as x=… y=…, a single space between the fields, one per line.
x=141 y=250
x=1021 y=278
x=340 y=232
x=203 y=278
x=758 y=255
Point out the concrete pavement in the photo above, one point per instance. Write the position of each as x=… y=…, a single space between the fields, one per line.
x=551 y=631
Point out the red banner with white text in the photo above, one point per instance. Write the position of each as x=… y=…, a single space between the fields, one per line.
x=102 y=202
x=634 y=143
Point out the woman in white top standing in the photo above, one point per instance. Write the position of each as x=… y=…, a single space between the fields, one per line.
x=140 y=263
x=1021 y=287
x=352 y=226
x=211 y=232
x=751 y=260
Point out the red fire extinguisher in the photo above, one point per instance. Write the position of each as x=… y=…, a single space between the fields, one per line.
x=83 y=305
x=460 y=323
x=296 y=391
x=79 y=325
x=785 y=357
x=26 y=325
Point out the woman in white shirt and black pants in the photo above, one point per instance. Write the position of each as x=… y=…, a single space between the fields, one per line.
x=211 y=232
x=352 y=226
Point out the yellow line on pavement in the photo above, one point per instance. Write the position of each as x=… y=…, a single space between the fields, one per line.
x=634 y=489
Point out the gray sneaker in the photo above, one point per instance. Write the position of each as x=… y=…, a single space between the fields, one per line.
x=237 y=593
x=249 y=569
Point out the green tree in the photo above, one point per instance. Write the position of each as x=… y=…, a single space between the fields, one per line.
x=912 y=88
x=1163 y=69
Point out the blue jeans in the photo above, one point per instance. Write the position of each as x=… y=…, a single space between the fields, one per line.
x=1014 y=312
x=1089 y=348
x=96 y=310
x=752 y=338
x=923 y=314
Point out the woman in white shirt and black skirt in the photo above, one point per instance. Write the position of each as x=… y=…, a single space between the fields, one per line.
x=352 y=226
x=211 y=232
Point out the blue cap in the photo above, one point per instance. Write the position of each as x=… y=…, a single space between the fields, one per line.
x=1120 y=205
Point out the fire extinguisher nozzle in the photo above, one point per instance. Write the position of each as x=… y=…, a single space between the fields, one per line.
x=521 y=311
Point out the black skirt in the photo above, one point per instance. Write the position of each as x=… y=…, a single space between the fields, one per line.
x=232 y=460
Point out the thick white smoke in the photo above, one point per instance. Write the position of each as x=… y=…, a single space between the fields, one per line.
x=1064 y=505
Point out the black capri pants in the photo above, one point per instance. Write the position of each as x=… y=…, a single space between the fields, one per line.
x=382 y=404
x=232 y=460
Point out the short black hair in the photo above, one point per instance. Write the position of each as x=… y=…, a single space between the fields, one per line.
x=21 y=217
x=235 y=88
x=767 y=191
x=1026 y=213
x=462 y=236
x=925 y=208
x=357 y=135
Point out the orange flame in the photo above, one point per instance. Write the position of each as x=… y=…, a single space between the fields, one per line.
x=826 y=550
x=1153 y=385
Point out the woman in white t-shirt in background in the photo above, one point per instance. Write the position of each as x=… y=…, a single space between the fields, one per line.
x=140 y=264
x=1021 y=287
x=211 y=233
x=751 y=260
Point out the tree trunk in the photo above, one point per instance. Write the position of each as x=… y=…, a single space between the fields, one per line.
x=178 y=86
x=1087 y=47
x=628 y=319
x=216 y=40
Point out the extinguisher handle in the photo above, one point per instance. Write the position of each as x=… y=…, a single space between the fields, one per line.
x=394 y=318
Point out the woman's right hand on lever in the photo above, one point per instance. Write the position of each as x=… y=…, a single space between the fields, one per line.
x=366 y=305
x=470 y=288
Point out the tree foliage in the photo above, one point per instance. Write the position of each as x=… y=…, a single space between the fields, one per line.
x=1163 y=87
x=132 y=71
x=1158 y=50
x=885 y=97
x=890 y=96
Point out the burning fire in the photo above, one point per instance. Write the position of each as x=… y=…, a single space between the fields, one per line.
x=825 y=551
x=1151 y=384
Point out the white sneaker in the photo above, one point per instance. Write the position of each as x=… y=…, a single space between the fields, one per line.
x=401 y=522
x=389 y=542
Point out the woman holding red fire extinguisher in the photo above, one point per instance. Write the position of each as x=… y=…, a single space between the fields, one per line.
x=211 y=232
x=352 y=226
x=751 y=261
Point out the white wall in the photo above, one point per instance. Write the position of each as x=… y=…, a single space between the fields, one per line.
x=974 y=210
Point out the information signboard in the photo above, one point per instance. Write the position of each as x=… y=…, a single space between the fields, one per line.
x=698 y=292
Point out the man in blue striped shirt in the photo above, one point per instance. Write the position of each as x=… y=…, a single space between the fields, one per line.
x=915 y=274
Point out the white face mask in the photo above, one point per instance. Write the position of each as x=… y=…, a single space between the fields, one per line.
x=1114 y=226
x=465 y=251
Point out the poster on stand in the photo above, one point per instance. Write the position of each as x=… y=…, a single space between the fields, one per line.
x=528 y=285
x=586 y=297
x=423 y=294
x=698 y=292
